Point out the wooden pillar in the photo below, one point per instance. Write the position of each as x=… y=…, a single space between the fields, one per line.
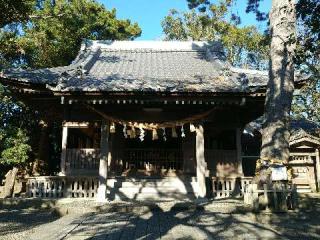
x=239 y=151
x=318 y=169
x=103 y=166
x=64 y=151
x=189 y=158
x=41 y=162
x=201 y=163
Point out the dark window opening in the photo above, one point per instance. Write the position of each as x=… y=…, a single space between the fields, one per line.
x=83 y=138
x=221 y=140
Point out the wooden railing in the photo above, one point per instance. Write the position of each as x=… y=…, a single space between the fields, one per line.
x=221 y=162
x=221 y=155
x=229 y=186
x=59 y=187
x=83 y=158
x=139 y=158
x=276 y=197
x=151 y=158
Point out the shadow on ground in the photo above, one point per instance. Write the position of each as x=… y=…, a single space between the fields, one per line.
x=20 y=216
x=213 y=220
x=208 y=220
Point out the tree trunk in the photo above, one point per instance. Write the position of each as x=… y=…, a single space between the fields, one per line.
x=275 y=134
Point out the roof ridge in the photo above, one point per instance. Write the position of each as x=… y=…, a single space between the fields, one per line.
x=150 y=50
x=213 y=46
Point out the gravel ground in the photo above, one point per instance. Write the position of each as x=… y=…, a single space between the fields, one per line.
x=168 y=220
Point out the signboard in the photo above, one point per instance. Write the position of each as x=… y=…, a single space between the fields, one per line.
x=279 y=173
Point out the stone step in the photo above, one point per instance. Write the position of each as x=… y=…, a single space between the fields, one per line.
x=154 y=179
x=161 y=190
x=167 y=196
x=304 y=188
x=157 y=184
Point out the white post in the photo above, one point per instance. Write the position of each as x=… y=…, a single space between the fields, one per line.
x=318 y=168
x=239 y=150
x=63 y=151
x=201 y=164
x=103 y=166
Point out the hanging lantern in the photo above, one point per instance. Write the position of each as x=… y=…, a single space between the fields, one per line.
x=154 y=134
x=125 y=131
x=182 y=132
x=174 y=132
x=164 y=134
x=112 y=128
x=192 y=128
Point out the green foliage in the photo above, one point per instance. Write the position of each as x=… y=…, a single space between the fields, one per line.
x=244 y=46
x=307 y=102
x=16 y=148
x=16 y=122
x=15 y=11
x=54 y=32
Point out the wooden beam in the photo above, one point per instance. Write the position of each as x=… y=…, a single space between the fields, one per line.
x=103 y=165
x=201 y=163
x=318 y=168
x=239 y=151
x=76 y=124
x=302 y=154
x=63 y=151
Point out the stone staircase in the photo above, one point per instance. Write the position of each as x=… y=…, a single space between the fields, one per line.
x=158 y=189
x=303 y=188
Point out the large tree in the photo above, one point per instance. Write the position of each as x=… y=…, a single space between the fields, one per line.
x=282 y=30
x=275 y=134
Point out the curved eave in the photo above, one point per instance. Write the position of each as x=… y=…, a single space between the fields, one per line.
x=21 y=87
x=28 y=87
x=160 y=93
x=311 y=139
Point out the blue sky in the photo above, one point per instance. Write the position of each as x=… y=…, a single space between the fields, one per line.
x=149 y=13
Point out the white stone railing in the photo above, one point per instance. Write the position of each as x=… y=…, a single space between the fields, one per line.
x=59 y=187
x=86 y=187
x=226 y=187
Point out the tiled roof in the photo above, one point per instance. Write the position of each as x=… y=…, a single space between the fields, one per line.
x=304 y=128
x=146 y=66
x=299 y=128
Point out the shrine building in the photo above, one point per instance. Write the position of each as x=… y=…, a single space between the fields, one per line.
x=149 y=120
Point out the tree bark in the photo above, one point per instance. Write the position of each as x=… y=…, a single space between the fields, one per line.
x=275 y=134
